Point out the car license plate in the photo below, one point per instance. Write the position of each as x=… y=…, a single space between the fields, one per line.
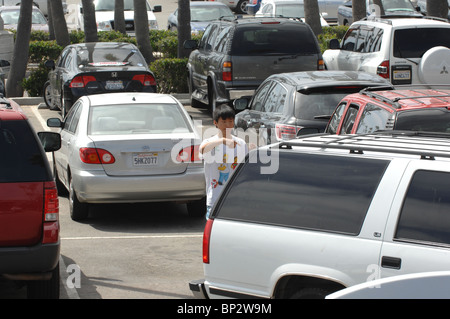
x=114 y=85
x=402 y=75
x=145 y=159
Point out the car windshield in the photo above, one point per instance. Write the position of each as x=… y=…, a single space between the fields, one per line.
x=109 y=57
x=317 y=105
x=290 y=10
x=201 y=14
x=429 y=120
x=273 y=39
x=12 y=17
x=137 y=119
x=414 y=42
x=396 y=5
x=108 y=5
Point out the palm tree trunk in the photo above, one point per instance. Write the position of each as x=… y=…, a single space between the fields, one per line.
x=90 y=25
x=59 y=24
x=51 y=30
x=142 y=29
x=359 y=9
x=119 y=17
x=21 y=49
x=184 y=27
x=312 y=16
x=437 y=8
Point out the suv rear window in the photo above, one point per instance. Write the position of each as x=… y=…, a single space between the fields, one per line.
x=273 y=39
x=320 y=192
x=433 y=120
x=21 y=159
x=413 y=43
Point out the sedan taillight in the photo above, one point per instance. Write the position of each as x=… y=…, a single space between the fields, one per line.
x=80 y=81
x=145 y=79
x=189 y=154
x=91 y=155
x=286 y=132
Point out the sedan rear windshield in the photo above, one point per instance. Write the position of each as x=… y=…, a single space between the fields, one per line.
x=109 y=57
x=431 y=120
x=274 y=39
x=413 y=43
x=137 y=119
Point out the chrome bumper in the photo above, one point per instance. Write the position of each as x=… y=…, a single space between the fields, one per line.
x=198 y=289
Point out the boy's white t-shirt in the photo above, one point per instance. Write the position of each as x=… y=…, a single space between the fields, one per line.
x=220 y=164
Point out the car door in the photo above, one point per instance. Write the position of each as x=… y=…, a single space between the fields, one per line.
x=417 y=236
x=54 y=77
x=346 y=56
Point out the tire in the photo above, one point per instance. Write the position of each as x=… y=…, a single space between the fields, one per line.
x=47 y=96
x=45 y=289
x=197 y=209
x=311 y=293
x=194 y=103
x=78 y=210
x=62 y=190
x=242 y=6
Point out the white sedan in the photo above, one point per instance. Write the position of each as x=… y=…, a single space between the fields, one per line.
x=129 y=147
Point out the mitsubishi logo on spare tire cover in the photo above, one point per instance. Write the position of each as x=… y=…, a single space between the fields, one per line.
x=434 y=66
x=114 y=74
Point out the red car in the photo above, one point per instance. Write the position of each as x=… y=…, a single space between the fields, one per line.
x=29 y=207
x=407 y=109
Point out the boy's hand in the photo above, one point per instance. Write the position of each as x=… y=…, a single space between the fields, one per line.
x=229 y=142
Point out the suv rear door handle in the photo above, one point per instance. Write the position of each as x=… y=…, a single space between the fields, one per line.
x=391 y=262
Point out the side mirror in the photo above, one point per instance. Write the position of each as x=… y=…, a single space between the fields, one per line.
x=157 y=8
x=190 y=44
x=51 y=141
x=54 y=122
x=334 y=44
x=240 y=104
x=50 y=64
x=4 y=63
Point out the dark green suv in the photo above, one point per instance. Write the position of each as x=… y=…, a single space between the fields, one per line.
x=235 y=56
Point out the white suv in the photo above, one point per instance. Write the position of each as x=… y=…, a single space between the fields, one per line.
x=402 y=50
x=338 y=211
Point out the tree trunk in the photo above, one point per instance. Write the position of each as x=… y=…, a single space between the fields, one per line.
x=359 y=10
x=119 y=17
x=51 y=30
x=184 y=27
x=312 y=15
x=21 y=49
x=437 y=8
x=142 y=30
x=90 y=24
x=59 y=24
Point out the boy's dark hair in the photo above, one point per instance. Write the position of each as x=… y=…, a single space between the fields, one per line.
x=223 y=111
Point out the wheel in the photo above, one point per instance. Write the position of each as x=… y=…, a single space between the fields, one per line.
x=197 y=208
x=242 y=6
x=48 y=96
x=194 y=103
x=45 y=289
x=62 y=190
x=311 y=293
x=78 y=210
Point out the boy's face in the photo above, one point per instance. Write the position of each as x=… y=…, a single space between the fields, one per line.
x=224 y=124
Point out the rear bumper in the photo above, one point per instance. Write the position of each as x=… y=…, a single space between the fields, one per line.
x=198 y=289
x=29 y=262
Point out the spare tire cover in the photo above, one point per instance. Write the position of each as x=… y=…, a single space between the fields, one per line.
x=434 y=68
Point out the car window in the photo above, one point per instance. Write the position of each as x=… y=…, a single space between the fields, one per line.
x=336 y=118
x=76 y=117
x=222 y=39
x=257 y=103
x=349 y=119
x=373 y=118
x=425 y=213
x=361 y=45
x=321 y=103
x=109 y=57
x=62 y=58
x=413 y=43
x=68 y=126
x=430 y=120
x=21 y=159
x=296 y=192
x=276 y=100
x=349 y=40
x=267 y=9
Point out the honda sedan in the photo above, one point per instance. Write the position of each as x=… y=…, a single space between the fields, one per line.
x=126 y=148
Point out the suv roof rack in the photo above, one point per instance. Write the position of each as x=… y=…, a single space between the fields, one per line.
x=422 y=144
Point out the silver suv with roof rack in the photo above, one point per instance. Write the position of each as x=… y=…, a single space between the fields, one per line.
x=403 y=50
x=338 y=211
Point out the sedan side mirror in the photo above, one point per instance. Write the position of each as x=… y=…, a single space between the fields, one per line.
x=334 y=44
x=55 y=122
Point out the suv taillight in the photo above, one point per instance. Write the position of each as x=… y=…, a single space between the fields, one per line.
x=81 y=81
x=51 y=214
x=145 y=79
x=286 y=132
x=206 y=239
x=91 y=155
x=226 y=71
x=383 y=69
x=320 y=65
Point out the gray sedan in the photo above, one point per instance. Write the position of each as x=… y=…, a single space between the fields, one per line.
x=129 y=147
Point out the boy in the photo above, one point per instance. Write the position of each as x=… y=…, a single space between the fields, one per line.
x=221 y=152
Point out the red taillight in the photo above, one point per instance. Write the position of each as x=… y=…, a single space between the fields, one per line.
x=286 y=132
x=189 y=154
x=226 y=71
x=145 y=79
x=81 y=81
x=383 y=69
x=90 y=155
x=206 y=239
x=320 y=65
x=254 y=1
x=51 y=214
